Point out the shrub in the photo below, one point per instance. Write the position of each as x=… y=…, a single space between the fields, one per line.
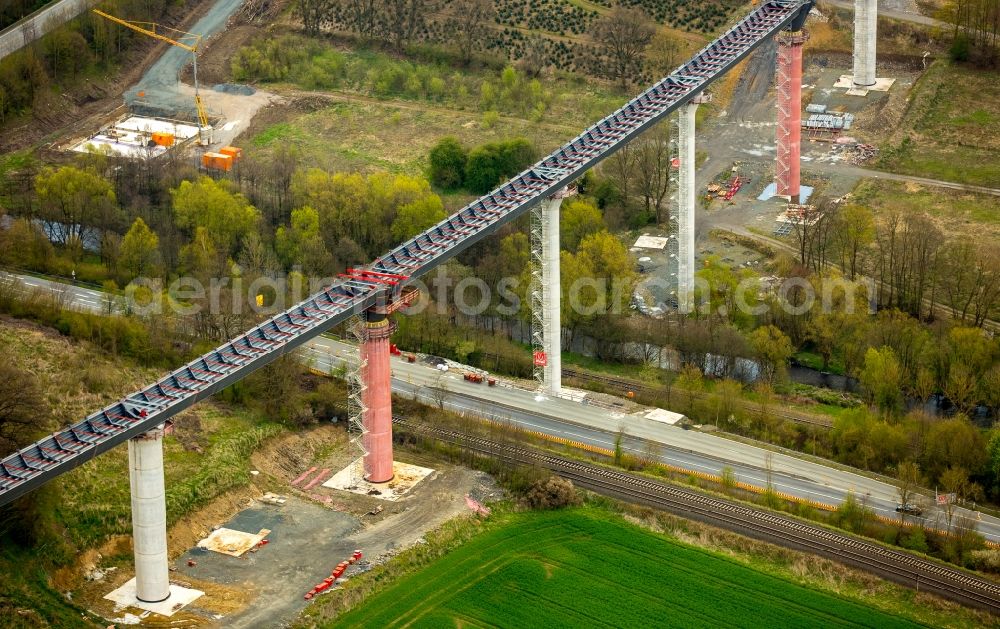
x=448 y=159
x=553 y=492
x=490 y=163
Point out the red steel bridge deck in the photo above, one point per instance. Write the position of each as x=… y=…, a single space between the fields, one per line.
x=40 y=462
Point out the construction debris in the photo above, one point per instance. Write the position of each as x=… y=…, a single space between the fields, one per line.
x=863 y=153
x=273 y=499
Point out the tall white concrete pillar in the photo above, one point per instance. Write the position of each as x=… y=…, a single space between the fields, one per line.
x=686 y=203
x=865 y=31
x=149 y=516
x=551 y=294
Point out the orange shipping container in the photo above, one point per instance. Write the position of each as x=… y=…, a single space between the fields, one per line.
x=232 y=151
x=163 y=139
x=217 y=161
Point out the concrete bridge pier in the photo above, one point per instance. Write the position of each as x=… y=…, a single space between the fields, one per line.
x=789 y=102
x=377 y=397
x=686 y=196
x=149 y=516
x=865 y=32
x=546 y=293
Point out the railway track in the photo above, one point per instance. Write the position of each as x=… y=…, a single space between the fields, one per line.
x=624 y=386
x=900 y=567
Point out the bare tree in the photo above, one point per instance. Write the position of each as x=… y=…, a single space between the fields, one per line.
x=664 y=54
x=22 y=410
x=908 y=480
x=955 y=481
x=535 y=58
x=470 y=25
x=361 y=16
x=653 y=169
x=402 y=20
x=621 y=169
x=314 y=14
x=621 y=39
x=439 y=391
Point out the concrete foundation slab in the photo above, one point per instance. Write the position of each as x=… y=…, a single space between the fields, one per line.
x=232 y=542
x=650 y=242
x=404 y=478
x=180 y=597
x=770 y=192
x=664 y=416
x=846 y=81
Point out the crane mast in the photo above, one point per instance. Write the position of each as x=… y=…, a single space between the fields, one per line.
x=150 y=30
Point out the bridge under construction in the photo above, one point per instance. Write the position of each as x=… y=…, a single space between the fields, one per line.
x=375 y=291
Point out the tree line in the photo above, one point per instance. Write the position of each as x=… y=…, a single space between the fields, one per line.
x=975 y=33
x=64 y=57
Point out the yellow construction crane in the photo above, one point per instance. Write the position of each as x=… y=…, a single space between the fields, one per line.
x=150 y=28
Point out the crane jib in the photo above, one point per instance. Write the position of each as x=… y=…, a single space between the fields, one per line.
x=42 y=461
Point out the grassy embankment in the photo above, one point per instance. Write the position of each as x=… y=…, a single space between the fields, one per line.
x=951 y=130
x=205 y=457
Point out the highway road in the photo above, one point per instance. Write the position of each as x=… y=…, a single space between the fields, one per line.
x=581 y=421
x=587 y=423
x=895 y=14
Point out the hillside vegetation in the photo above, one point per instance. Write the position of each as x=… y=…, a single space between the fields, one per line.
x=53 y=526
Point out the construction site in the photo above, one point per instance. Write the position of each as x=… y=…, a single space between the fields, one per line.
x=164 y=115
x=287 y=466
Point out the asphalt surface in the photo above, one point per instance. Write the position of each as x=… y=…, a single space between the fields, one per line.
x=905 y=16
x=595 y=425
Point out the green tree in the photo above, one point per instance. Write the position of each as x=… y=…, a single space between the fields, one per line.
x=79 y=204
x=200 y=258
x=609 y=261
x=882 y=379
x=773 y=349
x=357 y=210
x=489 y=164
x=960 y=387
x=140 y=251
x=954 y=441
x=301 y=244
x=226 y=215
x=25 y=245
x=578 y=218
x=447 y=163
x=993 y=455
x=732 y=293
x=417 y=216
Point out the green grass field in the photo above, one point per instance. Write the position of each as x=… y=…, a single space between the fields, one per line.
x=949 y=130
x=585 y=568
x=956 y=213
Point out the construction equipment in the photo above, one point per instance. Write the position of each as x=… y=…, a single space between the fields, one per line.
x=149 y=29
